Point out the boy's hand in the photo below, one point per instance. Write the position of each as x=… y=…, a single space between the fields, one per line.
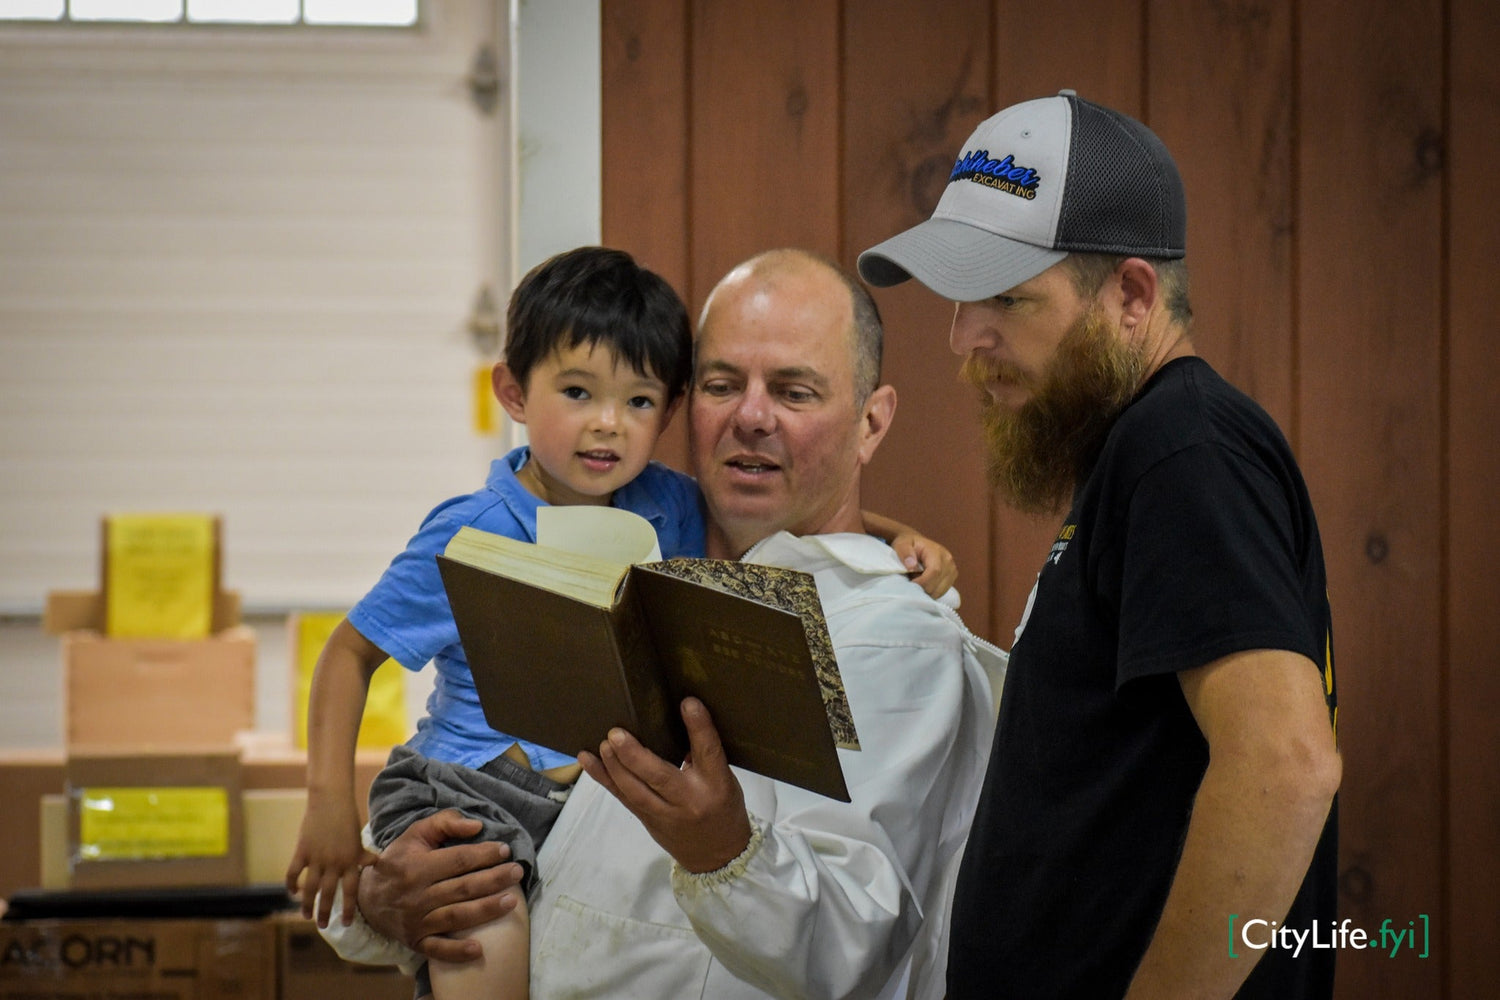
x=329 y=850
x=933 y=563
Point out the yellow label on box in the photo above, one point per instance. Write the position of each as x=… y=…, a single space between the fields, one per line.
x=159 y=581
x=484 y=400
x=385 y=722
x=134 y=824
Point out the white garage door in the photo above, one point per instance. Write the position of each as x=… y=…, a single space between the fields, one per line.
x=236 y=272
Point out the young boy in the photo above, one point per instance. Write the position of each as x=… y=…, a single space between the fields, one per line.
x=598 y=355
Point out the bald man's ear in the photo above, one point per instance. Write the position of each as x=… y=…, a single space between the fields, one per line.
x=880 y=408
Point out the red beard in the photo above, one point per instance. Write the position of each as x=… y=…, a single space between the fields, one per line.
x=1035 y=453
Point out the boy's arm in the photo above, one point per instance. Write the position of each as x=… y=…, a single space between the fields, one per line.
x=938 y=571
x=328 y=846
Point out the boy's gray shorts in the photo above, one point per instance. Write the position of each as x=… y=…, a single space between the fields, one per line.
x=516 y=806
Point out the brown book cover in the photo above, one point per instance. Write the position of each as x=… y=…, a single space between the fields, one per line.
x=561 y=669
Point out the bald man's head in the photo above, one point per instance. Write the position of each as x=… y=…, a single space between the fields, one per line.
x=866 y=333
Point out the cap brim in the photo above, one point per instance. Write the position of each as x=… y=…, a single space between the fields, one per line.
x=957 y=261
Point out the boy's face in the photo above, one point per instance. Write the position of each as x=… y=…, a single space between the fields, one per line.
x=592 y=421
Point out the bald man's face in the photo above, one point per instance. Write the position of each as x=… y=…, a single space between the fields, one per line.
x=777 y=438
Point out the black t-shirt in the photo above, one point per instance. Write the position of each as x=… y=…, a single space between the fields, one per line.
x=1191 y=538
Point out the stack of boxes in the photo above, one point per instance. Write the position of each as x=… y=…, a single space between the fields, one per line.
x=161 y=785
x=162 y=692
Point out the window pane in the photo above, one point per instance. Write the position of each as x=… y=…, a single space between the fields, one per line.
x=391 y=12
x=31 y=10
x=243 y=11
x=126 y=10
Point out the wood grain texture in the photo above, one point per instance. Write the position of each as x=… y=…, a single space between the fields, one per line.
x=1228 y=122
x=1311 y=139
x=914 y=88
x=1096 y=49
x=644 y=102
x=644 y=110
x=1473 y=538
x=1369 y=318
x=765 y=129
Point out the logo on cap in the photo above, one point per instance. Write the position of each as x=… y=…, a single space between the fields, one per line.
x=1002 y=175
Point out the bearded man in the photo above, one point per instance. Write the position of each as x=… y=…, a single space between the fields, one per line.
x=1165 y=765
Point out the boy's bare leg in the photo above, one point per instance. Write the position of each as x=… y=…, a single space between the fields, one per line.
x=504 y=973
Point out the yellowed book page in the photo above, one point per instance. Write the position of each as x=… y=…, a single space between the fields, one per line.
x=584 y=578
x=602 y=532
x=385 y=722
x=159 y=575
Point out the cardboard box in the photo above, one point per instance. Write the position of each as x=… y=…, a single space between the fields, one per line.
x=159 y=959
x=154 y=819
x=166 y=692
x=56 y=873
x=286 y=767
x=273 y=817
x=308 y=969
x=68 y=610
x=158 y=691
x=25 y=776
x=32 y=784
x=275 y=780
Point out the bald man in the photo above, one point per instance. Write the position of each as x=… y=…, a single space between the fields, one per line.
x=705 y=881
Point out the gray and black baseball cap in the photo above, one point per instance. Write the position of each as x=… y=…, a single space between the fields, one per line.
x=1036 y=182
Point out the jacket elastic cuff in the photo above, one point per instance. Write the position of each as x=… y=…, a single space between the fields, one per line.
x=686 y=881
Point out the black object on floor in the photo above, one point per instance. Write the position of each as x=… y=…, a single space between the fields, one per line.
x=215 y=902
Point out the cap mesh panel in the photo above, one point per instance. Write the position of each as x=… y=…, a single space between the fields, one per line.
x=1123 y=194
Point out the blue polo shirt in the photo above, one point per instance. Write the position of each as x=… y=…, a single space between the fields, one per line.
x=406 y=613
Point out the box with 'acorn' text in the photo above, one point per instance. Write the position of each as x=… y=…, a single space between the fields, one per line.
x=159 y=959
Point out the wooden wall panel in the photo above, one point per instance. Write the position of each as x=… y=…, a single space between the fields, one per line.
x=1473 y=537
x=644 y=100
x=765 y=124
x=1228 y=122
x=1369 y=319
x=644 y=107
x=914 y=88
x=1095 y=49
x=1311 y=138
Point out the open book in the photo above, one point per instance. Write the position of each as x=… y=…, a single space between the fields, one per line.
x=564 y=645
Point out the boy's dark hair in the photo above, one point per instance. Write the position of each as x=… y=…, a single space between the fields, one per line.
x=592 y=295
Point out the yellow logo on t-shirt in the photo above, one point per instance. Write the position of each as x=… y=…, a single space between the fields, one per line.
x=1061 y=545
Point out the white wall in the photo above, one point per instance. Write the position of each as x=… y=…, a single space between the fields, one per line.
x=558 y=127
x=552 y=196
